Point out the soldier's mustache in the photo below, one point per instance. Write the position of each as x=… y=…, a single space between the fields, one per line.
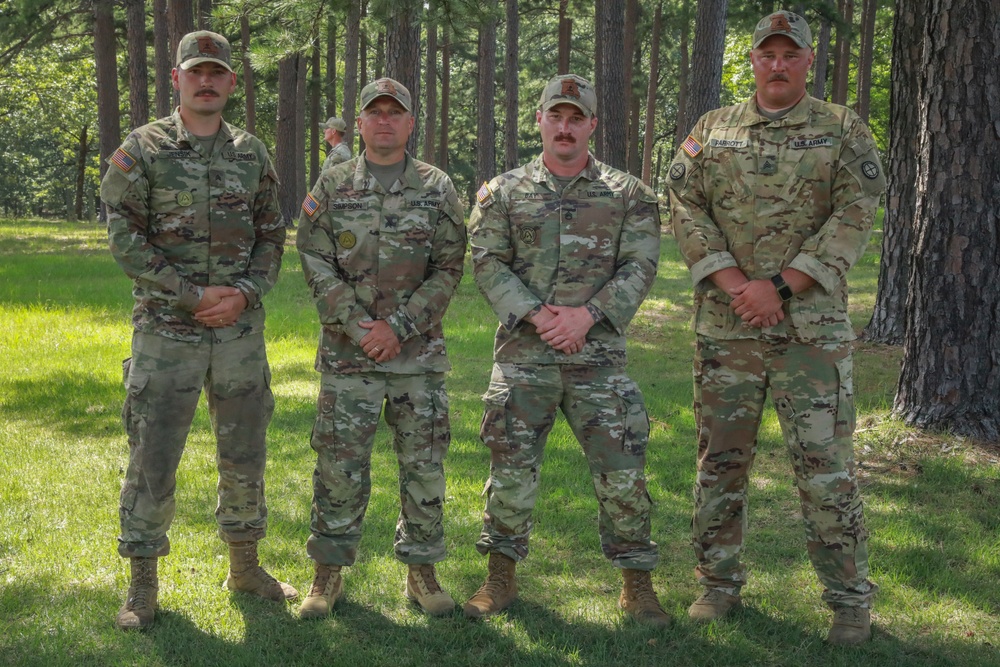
x=208 y=91
x=569 y=138
x=777 y=77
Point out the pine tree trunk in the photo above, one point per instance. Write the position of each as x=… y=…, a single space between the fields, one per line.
x=351 y=45
x=301 y=95
x=610 y=84
x=403 y=55
x=138 y=76
x=249 y=91
x=842 y=57
x=888 y=320
x=442 y=161
x=821 y=63
x=565 y=37
x=632 y=55
x=331 y=65
x=511 y=86
x=205 y=15
x=82 y=150
x=865 y=52
x=109 y=126
x=284 y=131
x=683 y=76
x=950 y=377
x=430 y=93
x=706 y=60
x=163 y=60
x=181 y=21
x=315 y=90
x=654 y=75
x=486 y=124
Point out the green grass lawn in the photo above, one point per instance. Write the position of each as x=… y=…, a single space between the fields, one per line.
x=932 y=506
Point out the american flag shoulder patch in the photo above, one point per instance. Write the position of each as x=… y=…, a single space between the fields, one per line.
x=484 y=195
x=310 y=205
x=123 y=160
x=691 y=146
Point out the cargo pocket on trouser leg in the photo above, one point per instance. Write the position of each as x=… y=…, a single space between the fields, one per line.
x=635 y=436
x=441 y=436
x=134 y=419
x=493 y=430
x=846 y=414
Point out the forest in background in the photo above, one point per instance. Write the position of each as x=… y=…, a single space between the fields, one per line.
x=476 y=70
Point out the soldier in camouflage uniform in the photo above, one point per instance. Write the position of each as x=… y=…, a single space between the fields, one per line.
x=565 y=249
x=192 y=219
x=333 y=133
x=772 y=202
x=382 y=242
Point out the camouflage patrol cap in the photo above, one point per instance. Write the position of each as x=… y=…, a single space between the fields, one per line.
x=569 y=89
x=386 y=87
x=783 y=23
x=203 y=46
x=334 y=123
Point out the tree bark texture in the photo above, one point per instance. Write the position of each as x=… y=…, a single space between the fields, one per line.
x=865 y=53
x=842 y=55
x=610 y=85
x=442 y=162
x=706 y=61
x=821 y=63
x=683 y=75
x=486 y=124
x=163 y=60
x=565 y=37
x=331 y=65
x=403 y=55
x=285 y=143
x=351 y=46
x=82 y=150
x=511 y=87
x=950 y=378
x=888 y=322
x=301 y=94
x=249 y=90
x=654 y=76
x=181 y=21
x=430 y=93
x=315 y=116
x=138 y=73
x=108 y=124
x=633 y=64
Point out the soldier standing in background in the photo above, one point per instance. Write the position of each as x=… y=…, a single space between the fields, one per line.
x=193 y=220
x=382 y=242
x=333 y=132
x=565 y=249
x=772 y=202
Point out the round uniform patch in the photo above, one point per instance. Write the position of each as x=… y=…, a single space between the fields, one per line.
x=347 y=240
x=869 y=169
x=528 y=235
x=677 y=171
x=184 y=198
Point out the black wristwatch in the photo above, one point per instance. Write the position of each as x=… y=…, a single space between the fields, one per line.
x=784 y=291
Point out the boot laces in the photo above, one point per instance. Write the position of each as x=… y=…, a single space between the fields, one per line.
x=849 y=616
x=426 y=574
x=495 y=582
x=322 y=580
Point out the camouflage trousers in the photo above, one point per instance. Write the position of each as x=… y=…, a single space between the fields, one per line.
x=812 y=390
x=164 y=379
x=416 y=411
x=606 y=412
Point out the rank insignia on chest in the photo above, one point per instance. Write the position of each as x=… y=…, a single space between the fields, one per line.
x=691 y=146
x=528 y=235
x=769 y=165
x=123 y=160
x=347 y=240
x=310 y=205
x=484 y=195
x=185 y=198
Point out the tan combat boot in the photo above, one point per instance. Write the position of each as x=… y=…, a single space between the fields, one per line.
x=851 y=625
x=140 y=603
x=326 y=588
x=497 y=592
x=423 y=588
x=712 y=604
x=638 y=599
x=246 y=574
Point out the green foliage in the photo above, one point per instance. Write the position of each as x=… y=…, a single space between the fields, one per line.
x=930 y=504
x=47 y=102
